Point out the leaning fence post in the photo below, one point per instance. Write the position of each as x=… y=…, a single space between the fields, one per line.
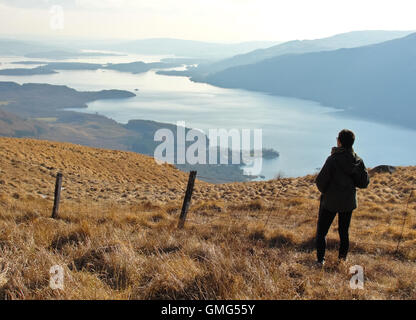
x=187 y=199
x=58 y=186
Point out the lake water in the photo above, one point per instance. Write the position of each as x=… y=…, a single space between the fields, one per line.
x=302 y=131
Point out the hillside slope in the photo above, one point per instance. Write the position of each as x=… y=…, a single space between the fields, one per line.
x=377 y=82
x=116 y=237
x=28 y=167
x=39 y=111
x=344 y=40
x=46 y=100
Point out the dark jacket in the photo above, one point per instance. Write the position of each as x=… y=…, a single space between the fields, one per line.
x=342 y=172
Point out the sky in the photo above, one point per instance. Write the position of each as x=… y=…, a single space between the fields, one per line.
x=204 y=20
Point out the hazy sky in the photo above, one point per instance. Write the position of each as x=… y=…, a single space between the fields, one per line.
x=207 y=20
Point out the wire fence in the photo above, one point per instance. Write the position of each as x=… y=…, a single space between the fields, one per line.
x=217 y=179
x=267 y=214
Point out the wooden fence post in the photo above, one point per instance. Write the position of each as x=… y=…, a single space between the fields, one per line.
x=58 y=186
x=187 y=199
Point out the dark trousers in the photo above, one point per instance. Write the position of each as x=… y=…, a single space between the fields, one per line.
x=324 y=222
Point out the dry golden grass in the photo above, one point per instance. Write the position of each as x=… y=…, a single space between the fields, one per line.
x=28 y=167
x=241 y=241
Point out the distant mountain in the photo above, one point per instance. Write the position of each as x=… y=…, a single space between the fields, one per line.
x=186 y=48
x=35 y=49
x=157 y=46
x=61 y=54
x=20 y=48
x=377 y=81
x=344 y=40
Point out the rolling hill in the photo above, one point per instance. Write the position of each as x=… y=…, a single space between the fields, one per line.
x=116 y=236
x=43 y=49
x=377 y=82
x=41 y=99
x=38 y=111
x=21 y=48
x=343 y=40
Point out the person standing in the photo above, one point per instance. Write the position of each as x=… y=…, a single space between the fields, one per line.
x=337 y=181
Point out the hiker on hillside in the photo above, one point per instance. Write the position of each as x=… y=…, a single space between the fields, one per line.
x=341 y=174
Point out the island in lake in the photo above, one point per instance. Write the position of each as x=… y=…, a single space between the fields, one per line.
x=26 y=71
x=41 y=111
x=52 y=67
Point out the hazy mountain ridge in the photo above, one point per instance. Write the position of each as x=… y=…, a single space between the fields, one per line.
x=343 y=40
x=38 y=49
x=63 y=55
x=376 y=82
x=186 y=48
x=19 y=47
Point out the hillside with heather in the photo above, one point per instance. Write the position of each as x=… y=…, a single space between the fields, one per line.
x=117 y=237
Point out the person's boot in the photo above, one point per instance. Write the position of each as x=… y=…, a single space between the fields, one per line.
x=342 y=258
x=320 y=263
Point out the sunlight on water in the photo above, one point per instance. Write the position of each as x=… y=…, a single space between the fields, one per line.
x=302 y=131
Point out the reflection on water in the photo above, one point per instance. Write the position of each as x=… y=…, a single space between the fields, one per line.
x=302 y=131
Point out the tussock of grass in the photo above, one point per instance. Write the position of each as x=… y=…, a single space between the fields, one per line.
x=281 y=238
x=254 y=205
x=209 y=206
x=235 y=257
x=73 y=238
x=108 y=263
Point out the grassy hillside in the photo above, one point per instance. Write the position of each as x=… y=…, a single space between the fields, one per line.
x=117 y=237
x=38 y=111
